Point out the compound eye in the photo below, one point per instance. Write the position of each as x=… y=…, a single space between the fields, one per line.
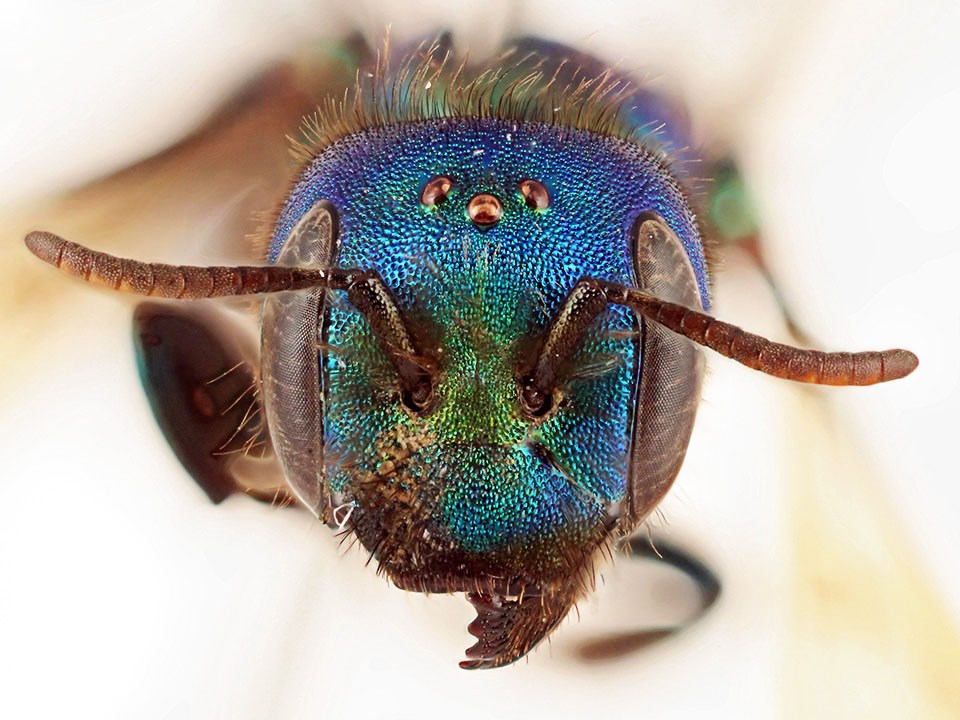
x=436 y=190
x=535 y=195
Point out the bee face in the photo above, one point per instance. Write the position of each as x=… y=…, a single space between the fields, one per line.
x=452 y=408
x=475 y=485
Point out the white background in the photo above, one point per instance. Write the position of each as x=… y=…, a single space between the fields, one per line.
x=125 y=595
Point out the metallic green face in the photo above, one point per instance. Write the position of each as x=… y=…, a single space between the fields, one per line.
x=473 y=487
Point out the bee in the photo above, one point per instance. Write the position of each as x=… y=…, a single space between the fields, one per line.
x=485 y=294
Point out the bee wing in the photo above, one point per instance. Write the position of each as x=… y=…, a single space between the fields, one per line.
x=851 y=571
x=857 y=584
x=209 y=194
x=835 y=583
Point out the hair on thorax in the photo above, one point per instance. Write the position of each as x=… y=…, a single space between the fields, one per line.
x=432 y=83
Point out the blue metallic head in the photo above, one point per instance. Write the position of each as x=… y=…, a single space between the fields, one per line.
x=482 y=357
x=473 y=491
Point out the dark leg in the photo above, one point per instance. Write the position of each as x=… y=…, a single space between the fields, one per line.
x=732 y=221
x=202 y=384
x=632 y=640
x=644 y=548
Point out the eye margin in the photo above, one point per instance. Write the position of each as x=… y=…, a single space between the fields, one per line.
x=436 y=191
x=670 y=370
x=535 y=194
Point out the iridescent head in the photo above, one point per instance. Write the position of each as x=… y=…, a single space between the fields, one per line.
x=480 y=338
x=480 y=227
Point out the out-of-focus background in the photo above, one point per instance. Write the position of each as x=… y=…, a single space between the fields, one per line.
x=830 y=514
